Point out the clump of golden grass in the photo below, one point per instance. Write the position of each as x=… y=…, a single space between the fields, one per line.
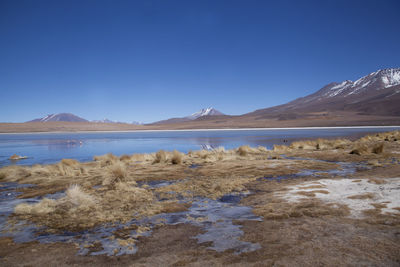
x=2 y=175
x=387 y=136
x=106 y=159
x=43 y=207
x=176 y=157
x=378 y=149
x=312 y=193
x=125 y=157
x=208 y=186
x=280 y=148
x=277 y=209
x=81 y=209
x=360 y=150
x=262 y=149
x=220 y=149
x=312 y=187
x=320 y=144
x=160 y=157
x=203 y=154
x=69 y=162
x=376 y=181
x=40 y=170
x=307 y=144
x=175 y=207
x=116 y=173
x=78 y=197
x=142 y=157
x=362 y=196
x=16 y=173
x=244 y=150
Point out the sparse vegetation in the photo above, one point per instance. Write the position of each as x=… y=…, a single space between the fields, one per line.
x=69 y=162
x=117 y=173
x=360 y=150
x=161 y=157
x=244 y=150
x=362 y=196
x=120 y=194
x=125 y=158
x=176 y=157
x=378 y=149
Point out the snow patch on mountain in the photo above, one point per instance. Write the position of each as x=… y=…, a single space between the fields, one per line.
x=374 y=81
x=67 y=117
x=204 y=112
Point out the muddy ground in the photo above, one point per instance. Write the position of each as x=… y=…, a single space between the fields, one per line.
x=320 y=202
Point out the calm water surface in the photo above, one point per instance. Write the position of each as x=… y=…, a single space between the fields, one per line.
x=52 y=147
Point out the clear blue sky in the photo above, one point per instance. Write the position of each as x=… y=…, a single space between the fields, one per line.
x=150 y=60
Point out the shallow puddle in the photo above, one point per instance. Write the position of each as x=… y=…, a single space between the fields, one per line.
x=346 y=168
x=215 y=217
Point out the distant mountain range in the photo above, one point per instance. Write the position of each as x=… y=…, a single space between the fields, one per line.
x=68 y=117
x=205 y=112
x=376 y=94
x=116 y=122
x=60 y=117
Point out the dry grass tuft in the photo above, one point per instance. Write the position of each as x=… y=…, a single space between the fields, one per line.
x=203 y=154
x=176 y=157
x=360 y=150
x=69 y=162
x=78 y=197
x=161 y=157
x=312 y=193
x=106 y=159
x=376 y=181
x=175 y=207
x=125 y=157
x=277 y=209
x=2 y=175
x=262 y=149
x=43 y=207
x=363 y=196
x=244 y=150
x=280 y=148
x=82 y=209
x=312 y=187
x=378 y=149
x=43 y=171
x=117 y=173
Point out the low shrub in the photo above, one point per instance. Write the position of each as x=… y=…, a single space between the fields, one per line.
x=378 y=149
x=69 y=162
x=176 y=157
x=244 y=150
x=161 y=157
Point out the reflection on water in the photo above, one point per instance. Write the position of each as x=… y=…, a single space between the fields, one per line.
x=52 y=147
x=59 y=144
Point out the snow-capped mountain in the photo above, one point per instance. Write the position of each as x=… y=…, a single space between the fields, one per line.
x=105 y=120
x=373 y=94
x=374 y=81
x=204 y=112
x=60 y=117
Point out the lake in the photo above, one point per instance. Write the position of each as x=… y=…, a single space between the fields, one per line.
x=44 y=148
